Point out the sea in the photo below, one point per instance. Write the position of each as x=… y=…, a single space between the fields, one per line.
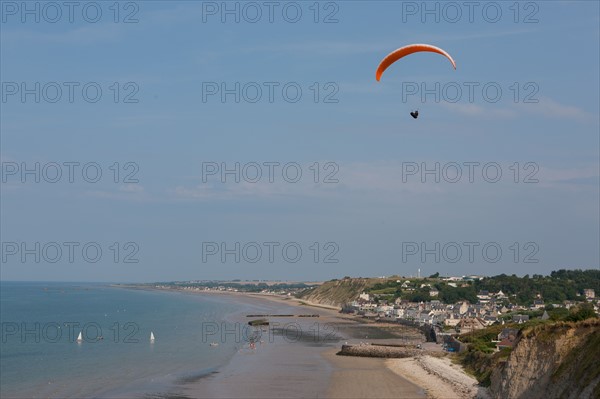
x=41 y=358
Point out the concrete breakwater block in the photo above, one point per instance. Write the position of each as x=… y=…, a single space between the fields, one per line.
x=368 y=350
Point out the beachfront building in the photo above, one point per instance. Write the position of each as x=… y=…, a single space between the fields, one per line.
x=506 y=338
x=483 y=296
x=505 y=343
x=469 y=324
x=569 y=304
x=453 y=279
x=490 y=319
x=520 y=318
x=538 y=304
x=461 y=308
x=385 y=309
x=461 y=316
x=452 y=320
x=500 y=295
x=589 y=293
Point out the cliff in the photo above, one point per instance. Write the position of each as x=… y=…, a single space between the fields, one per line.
x=559 y=360
x=337 y=292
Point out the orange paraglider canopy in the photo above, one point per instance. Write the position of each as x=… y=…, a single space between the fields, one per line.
x=406 y=50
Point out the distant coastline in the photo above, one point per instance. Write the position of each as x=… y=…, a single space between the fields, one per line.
x=463 y=314
x=387 y=378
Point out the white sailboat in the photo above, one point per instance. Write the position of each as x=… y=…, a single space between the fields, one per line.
x=151 y=336
x=80 y=337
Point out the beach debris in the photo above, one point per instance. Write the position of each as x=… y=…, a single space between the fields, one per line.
x=258 y=322
x=282 y=315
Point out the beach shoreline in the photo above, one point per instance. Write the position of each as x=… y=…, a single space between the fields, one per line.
x=332 y=375
x=439 y=377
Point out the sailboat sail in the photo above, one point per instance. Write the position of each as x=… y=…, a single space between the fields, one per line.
x=151 y=336
x=80 y=337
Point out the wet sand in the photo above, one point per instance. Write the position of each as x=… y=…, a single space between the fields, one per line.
x=286 y=360
x=274 y=370
x=286 y=364
x=297 y=359
x=362 y=377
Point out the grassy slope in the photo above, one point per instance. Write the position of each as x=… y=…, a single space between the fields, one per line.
x=338 y=292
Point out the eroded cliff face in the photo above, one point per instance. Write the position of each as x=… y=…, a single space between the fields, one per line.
x=338 y=292
x=552 y=361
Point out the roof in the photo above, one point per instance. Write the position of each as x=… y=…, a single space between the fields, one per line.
x=506 y=343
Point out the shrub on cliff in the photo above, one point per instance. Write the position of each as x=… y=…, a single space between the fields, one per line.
x=581 y=312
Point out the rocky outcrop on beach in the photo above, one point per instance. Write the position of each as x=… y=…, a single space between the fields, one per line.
x=552 y=361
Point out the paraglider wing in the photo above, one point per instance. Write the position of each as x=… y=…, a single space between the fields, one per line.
x=406 y=50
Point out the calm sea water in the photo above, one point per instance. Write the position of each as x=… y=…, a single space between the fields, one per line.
x=39 y=355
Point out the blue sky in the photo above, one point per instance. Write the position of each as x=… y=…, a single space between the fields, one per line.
x=366 y=136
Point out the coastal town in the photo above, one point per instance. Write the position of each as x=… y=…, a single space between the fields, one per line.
x=463 y=317
x=455 y=336
x=445 y=321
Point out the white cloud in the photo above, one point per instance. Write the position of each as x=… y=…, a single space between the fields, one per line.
x=492 y=111
x=337 y=48
x=131 y=188
x=246 y=190
x=324 y=48
x=379 y=179
x=126 y=192
x=576 y=177
x=549 y=107
x=380 y=182
x=546 y=107
x=88 y=34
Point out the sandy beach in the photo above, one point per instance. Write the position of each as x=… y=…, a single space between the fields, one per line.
x=435 y=377
x=285 y=360
x=301 y=361
x=363 y=377
x=440 y=378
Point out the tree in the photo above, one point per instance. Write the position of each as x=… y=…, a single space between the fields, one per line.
x=582 y=312
x=558 y=314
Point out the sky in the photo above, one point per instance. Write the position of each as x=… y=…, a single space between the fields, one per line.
x=183 y=140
